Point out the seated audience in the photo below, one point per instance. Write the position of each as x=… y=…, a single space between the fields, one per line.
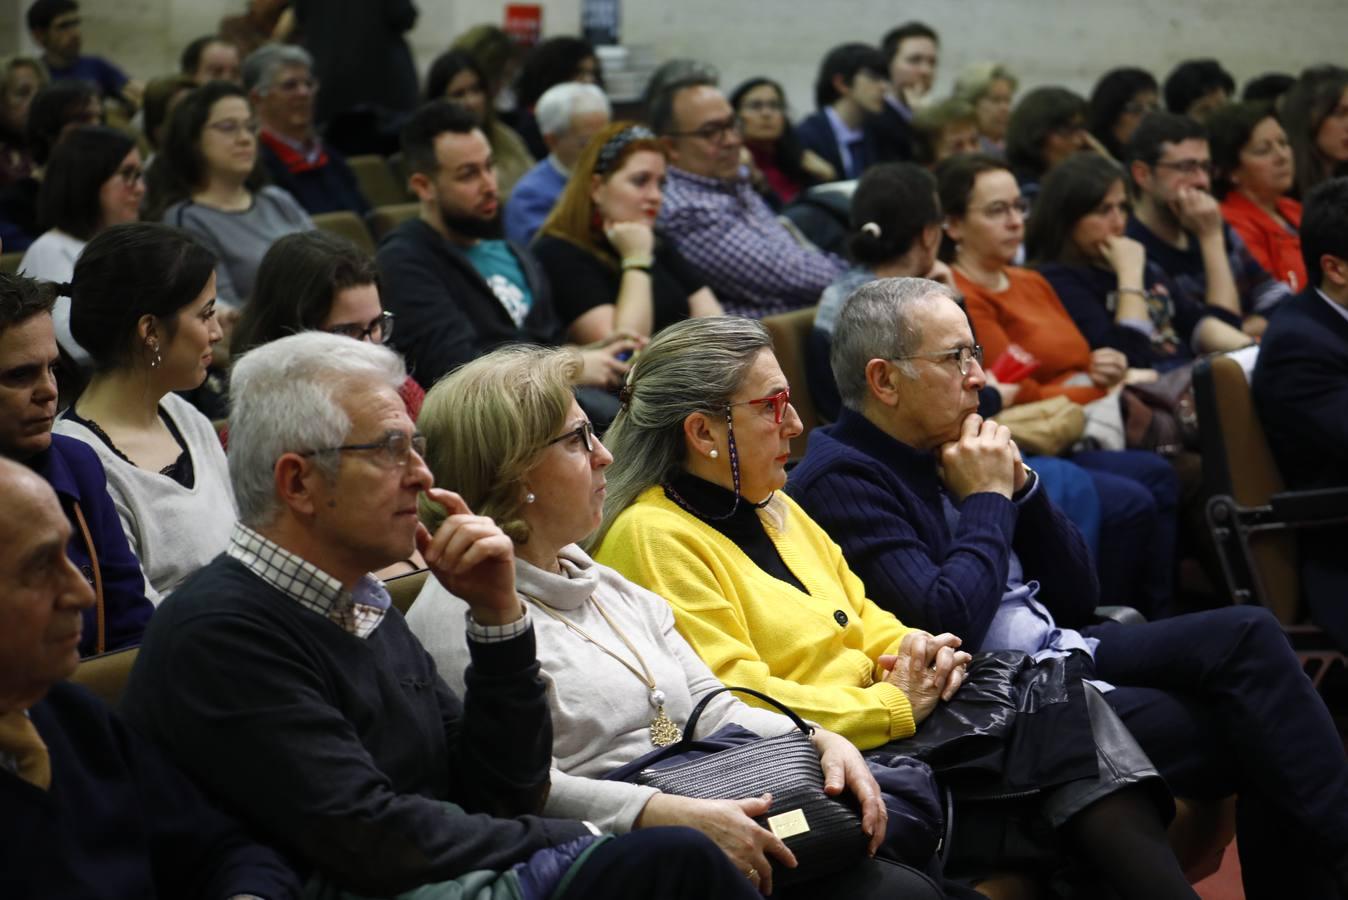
x=93 y=181
x=540 y=490
x=1267 y=88
x=360 y=52
x=56 y=110
x=92 y=809
x=1179 y=223
x=209 y=180
x=989 y=88
x=210 y=58
x=455 y=76
x=912 y=50
x=557 y=60
x=765 y=598
x=282 y=89
x=318 y=281
x=1301 y=392
x=1114 y=294
x=161 y=96
x=611 y=273
x=921 y=494
x=1197 y=87
x=896 y=232
x=1252 y=173
x=568 y=115
x=945 y=129
x=97 y=545
x=716 y=219
x=1118 y=102
x=21 y=77
x=346 y=749
x=143 y=306
x=457 y=288
x=1047 y=126
x=849 y=91
x=55 y=26
x=261 y=22
x=786 y=168
x=1315 y=114
x=1008 y=305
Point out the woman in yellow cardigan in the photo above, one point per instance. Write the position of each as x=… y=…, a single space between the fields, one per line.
x=694 y=513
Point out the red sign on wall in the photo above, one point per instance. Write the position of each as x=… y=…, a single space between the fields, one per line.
x=524 y=23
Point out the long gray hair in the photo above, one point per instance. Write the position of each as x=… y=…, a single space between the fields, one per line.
x=692 y=366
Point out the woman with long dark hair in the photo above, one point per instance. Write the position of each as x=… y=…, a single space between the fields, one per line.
x=786 y=166
x=1118 y=102
x=1315 y=114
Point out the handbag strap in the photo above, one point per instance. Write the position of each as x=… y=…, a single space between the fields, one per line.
x=98 y=577
x=691 y=727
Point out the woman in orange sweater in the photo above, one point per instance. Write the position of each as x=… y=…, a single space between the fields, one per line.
x=1008 y=305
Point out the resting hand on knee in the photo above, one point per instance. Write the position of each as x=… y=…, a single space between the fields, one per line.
x=844 y=768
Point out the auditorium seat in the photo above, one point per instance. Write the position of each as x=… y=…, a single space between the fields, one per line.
x=106 y=673
x=790 y=332
x=383 y=219
x=377 y=181
x=348 y=225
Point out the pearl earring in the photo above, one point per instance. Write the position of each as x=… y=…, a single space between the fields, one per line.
x=529 y=497
x=714 y=454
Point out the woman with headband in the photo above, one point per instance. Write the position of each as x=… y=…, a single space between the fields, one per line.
x=609 y=270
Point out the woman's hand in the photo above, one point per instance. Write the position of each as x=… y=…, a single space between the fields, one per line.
x=1108 y=367
x=927 y=669
x=844 y=768
x=600 y=363
x=816 y=165
x=1124 y=255
x=730 y=823
x=632 y=240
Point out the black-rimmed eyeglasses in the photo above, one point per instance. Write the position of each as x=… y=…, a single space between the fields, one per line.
x=393 y=451
x=963 y=357
x=377 y=332
x=584 y=431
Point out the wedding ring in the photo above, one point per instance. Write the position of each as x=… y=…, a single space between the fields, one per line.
x=752 y=874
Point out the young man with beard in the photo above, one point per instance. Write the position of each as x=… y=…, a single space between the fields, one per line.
x=457 y=288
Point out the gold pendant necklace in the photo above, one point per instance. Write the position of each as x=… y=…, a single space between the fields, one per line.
x=663 y=730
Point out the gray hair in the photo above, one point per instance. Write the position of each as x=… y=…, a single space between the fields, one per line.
x=286 y=398
x=878 y=321
x=562 y=102
x=695 y=365
x=665 y=84
x=976 y=78
x=260 y=68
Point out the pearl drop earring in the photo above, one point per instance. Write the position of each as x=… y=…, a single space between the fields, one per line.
x=714 y=454
x=529 y=497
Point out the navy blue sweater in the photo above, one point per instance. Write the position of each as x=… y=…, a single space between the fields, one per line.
x=120 y=821
x=350 y=754
x=881 y=501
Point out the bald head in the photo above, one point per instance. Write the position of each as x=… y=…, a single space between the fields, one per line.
x=42 y=595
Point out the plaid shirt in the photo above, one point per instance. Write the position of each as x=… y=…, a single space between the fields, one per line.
x=356 y=612
x=752 y=262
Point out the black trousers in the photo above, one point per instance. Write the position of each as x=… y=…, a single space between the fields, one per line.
x=683 y=864
x=1219 y=702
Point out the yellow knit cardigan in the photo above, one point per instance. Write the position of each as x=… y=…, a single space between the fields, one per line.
x=756 y=631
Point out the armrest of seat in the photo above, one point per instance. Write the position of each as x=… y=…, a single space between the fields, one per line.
x=1124 y=615
x=1309 y=507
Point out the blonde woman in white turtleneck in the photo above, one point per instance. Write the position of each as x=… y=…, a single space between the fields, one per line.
x=506 y=433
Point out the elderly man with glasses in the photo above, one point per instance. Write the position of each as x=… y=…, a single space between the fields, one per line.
x=282 y=88
x=948 y=529
x=716 y=219
x=282 y=680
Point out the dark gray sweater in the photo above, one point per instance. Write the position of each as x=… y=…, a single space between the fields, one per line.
x=341 y=750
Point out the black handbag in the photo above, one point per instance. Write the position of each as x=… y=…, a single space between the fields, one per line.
x=823 y=832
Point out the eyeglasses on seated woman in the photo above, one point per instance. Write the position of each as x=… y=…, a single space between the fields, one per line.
x=506 y=433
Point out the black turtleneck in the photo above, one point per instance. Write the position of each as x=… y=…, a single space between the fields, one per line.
x=744 y=529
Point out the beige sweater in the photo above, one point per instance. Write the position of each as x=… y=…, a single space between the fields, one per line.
x=600 y=711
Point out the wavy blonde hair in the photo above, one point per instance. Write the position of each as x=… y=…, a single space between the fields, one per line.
x=486 y=425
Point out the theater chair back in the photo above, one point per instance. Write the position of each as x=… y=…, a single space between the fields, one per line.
x=404 y=589
x=106 y=673
x=790 y=332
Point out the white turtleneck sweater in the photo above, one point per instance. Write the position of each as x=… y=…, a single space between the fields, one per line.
x=601 y=712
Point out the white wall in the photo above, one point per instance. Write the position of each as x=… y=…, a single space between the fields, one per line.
x=1047 y=41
